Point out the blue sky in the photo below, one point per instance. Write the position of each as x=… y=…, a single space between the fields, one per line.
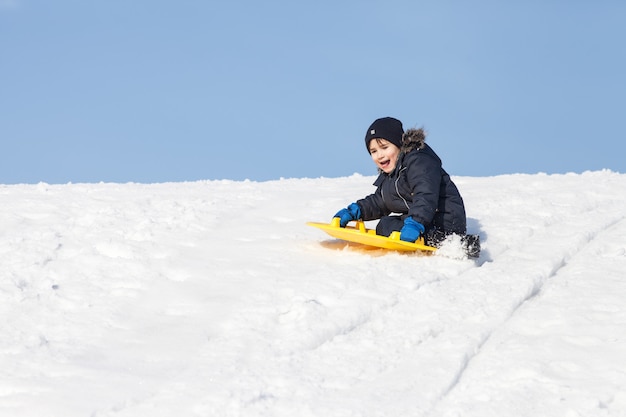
x=154 y=91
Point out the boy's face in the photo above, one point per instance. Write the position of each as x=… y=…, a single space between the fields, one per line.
x=384 y=154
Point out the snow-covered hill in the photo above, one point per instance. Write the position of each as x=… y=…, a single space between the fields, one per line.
x=214 y=299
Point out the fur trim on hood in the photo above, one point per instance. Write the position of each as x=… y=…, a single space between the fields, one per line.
x=413 y=139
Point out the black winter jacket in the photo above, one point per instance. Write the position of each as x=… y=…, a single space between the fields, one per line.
x=419 y=187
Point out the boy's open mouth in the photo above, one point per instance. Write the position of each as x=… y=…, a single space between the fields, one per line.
x=384 y=164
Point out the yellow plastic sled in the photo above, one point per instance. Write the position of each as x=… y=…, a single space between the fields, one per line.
x=360 y=234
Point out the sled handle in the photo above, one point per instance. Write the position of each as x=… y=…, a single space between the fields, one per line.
x=360 y=224
x=396 y=236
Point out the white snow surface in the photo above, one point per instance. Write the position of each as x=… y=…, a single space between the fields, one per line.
x=214 y=298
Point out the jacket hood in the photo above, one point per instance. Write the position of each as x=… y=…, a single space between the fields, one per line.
x=413 y=139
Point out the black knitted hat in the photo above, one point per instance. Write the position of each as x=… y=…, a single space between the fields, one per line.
x=385 y=128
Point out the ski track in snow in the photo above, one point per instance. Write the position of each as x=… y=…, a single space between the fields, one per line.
x=463 y=403
x=155 y=300
x=562 y=257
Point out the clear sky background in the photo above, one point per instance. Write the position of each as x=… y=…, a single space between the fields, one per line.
x=154 y=91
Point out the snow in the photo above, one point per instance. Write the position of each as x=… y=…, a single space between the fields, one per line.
x=213 y=298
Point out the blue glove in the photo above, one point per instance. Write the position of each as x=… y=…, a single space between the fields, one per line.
x=411 y=230
x=353 y=212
